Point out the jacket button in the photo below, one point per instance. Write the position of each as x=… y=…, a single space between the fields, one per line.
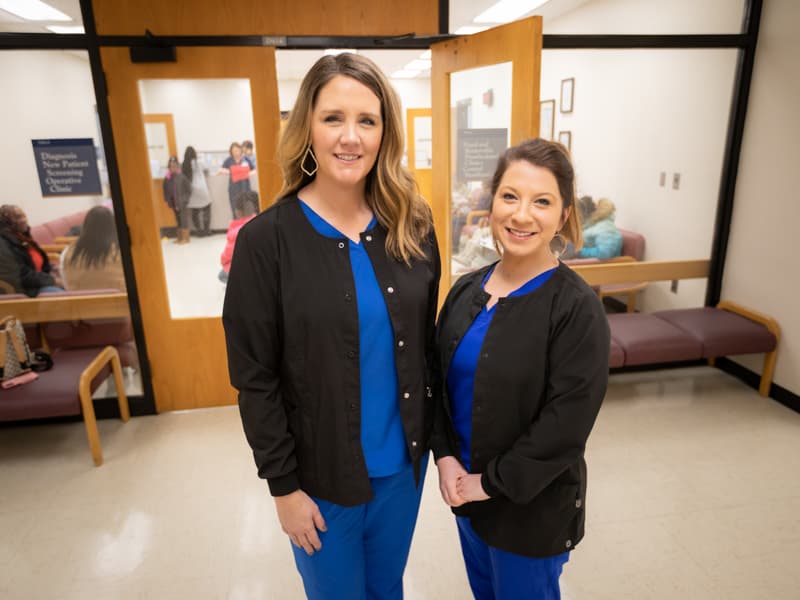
x=568 y=544
x=578 y=503
x=477 y=408
x=368 y=238
x=352 y=406
x=348 y=296
x=351 y=354
x=413 y=443
x=341 y=244
x=406 y=395
x=401 y=343
x=390 y=289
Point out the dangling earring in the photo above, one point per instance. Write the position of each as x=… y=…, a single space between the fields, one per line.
x=309 y=152
x=562 y=241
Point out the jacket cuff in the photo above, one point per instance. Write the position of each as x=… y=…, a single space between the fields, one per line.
x=284 y=485
x=488 y=487
x=440 y=448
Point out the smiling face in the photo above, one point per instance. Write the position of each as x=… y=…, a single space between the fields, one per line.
x=346 y=132
x=527 y=212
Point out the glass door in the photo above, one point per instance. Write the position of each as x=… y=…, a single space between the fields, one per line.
x=190 y=119
x=485 y=97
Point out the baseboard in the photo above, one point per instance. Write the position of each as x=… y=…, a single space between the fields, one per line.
x=776 y=392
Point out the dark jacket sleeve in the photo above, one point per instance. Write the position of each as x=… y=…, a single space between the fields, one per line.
x=577 y=380
x=432 y=373
x=440 y=445
x=251 y=317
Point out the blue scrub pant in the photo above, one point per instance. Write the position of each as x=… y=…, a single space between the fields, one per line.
x=497 y=575
x=365 y=549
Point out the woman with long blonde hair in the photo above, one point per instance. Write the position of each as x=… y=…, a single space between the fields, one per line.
x=329 y=320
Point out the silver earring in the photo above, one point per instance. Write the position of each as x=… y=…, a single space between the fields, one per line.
x=309 y=153
x=562 y=241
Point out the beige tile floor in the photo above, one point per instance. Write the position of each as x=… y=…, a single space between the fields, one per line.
x=694 y=493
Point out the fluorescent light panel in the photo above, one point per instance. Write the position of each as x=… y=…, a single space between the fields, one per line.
x=335 y=51
x=69 y=29
x=425 y=55
x=418 y=65
x=470 y=29
x=33 y=10
x=507 y=10
x=404 y=74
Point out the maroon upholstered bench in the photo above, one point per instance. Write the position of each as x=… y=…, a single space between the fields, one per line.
x=66 y=390
x=692 y=334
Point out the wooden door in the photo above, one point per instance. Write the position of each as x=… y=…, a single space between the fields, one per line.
x=187 y=355
x=517 y=47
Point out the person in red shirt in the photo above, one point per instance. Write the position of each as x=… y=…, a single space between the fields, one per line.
x=245 y=208
x=34 y=267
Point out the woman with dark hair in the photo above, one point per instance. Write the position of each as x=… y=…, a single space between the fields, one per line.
x=199 y=199
x=238 y=169
x=34 y=266
x=93 y=261
x=523 y=346
x=329 y=322
x=177 y=190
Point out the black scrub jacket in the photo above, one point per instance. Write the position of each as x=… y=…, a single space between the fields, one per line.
x=540 y=379
x=291 y=328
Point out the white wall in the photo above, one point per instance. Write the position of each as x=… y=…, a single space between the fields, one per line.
x=637 y=113
x=761 y=267
x=46 y=94
x=650 y=17
x=209 y=113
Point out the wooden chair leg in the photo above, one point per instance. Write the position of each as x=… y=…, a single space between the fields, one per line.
x=91 y=424
x=767 y=373
x=632 y=302
x=122 y=397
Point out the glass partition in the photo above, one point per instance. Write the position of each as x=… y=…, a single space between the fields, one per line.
x=210 y=119
x=71 y=293
x=480 y=112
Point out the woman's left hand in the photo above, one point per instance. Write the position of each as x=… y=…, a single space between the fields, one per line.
x=470 y=489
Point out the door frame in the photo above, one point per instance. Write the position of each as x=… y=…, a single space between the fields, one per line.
x=187 y=357
x=519 y=43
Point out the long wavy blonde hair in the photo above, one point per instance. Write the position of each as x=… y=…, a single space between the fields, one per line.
x=391 y=191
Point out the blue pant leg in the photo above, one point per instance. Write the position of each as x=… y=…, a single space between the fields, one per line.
x=476 y=560
x=336 y=571
x=391 y=517
x=515 y=576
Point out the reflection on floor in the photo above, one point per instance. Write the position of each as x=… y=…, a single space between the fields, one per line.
x=191 y=270
x=693 y=493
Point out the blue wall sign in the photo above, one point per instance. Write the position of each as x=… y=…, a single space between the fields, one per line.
x=67 y=167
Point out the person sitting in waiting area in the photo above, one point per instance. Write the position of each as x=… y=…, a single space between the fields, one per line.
x=93 y=261
x=245 y=207
x=34 y=267
x=601 y=238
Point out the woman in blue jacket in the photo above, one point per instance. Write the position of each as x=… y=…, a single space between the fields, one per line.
x=601 y=238
x=523 y=347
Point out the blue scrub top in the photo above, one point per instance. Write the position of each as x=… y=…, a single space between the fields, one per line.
x=461 y=374
x=382 y=437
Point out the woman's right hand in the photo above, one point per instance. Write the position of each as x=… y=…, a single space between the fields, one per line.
x=449 y=472
x=300 y=518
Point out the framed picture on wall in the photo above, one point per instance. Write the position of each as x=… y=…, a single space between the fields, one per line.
x=547 y=113
x=565 y=139
x=567 y=93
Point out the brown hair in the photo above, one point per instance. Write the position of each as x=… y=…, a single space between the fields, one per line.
x=391 y=191
x=555 y=158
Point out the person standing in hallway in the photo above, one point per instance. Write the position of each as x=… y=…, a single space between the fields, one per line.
x=237 y=167
x=246 y=209
x=177 y=190
x=329 y=321
x=199 y=200
x=523 y=346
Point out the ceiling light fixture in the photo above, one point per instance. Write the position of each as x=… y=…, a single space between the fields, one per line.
x=418 y=65
x=404 y=74
x=69 y=29
x=335 y=51
x=33 y=10
x=470 y=29
x=507 y=10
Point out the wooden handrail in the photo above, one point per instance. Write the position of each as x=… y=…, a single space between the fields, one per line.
x=66 y=307
x=625 y=272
